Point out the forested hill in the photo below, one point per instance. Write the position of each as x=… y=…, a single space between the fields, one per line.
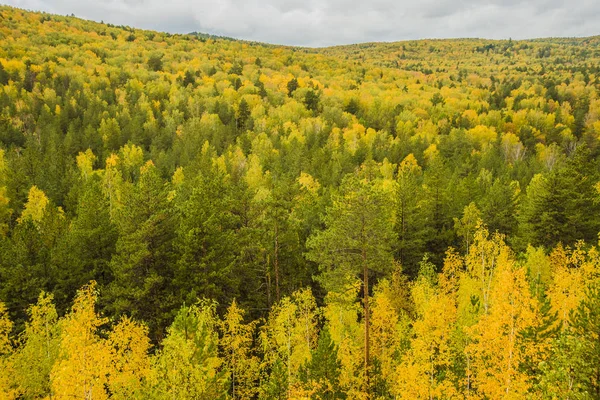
x=184 y=216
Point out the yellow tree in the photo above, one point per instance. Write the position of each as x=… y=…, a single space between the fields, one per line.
x=288 y=339
x=35 y=358
x=35 y=206
x=341 y=313
x=539 y=269
x=567 y=286
x=388 y=329
x=426 y=369
x=7 y=389
x=84 y=358
x=129 y=345
x=497 y=349
x=468 y=224
x=236 y=343
x=482 y=261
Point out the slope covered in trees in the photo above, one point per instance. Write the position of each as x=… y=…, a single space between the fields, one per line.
x=190 y=216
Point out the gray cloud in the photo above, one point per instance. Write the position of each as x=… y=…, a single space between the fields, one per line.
x=330 y=22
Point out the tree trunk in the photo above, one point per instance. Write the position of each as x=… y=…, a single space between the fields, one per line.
x=366 y=315
x=276 y=263
x=268 y=283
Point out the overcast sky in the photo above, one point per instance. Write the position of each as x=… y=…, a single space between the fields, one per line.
x=330 y=22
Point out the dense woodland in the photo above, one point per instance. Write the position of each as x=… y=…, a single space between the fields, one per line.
x=192 y=217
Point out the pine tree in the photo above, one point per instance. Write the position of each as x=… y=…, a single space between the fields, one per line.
x=144 y=253
x=206 y=240
x=188 y=366
x=357 y=240
x=321 y=374
x=586 y=331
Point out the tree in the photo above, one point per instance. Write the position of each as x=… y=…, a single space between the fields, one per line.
x=468 y=224
x=558 y=205
x=322 y=373
x=142 y=263
x=188 y=366
x=35 y=206
x=84 y=252
x=5 y=210
x=426 y=370
x=288 y=340
x=387 y=334
x=311 y=100
x=84 y=358
x=292 y=85
x=242 y=116
x=155 y=62
x=188 y=78
x=586 y=332
x=7 y=390
x=357 y=239
x=236 y=344
x=342 y=315
x=410 y=244
x=497 y=349
x=129 y=345
x=39 y=350
x=206 y=240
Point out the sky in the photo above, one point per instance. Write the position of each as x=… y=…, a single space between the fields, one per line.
x=317 y=23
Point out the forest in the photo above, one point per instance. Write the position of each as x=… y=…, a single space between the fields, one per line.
x=185 y=216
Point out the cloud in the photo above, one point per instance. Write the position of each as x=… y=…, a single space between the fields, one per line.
x=331 y=22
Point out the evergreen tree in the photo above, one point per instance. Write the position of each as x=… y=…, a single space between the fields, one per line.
x=357 y=240
x=144 y=254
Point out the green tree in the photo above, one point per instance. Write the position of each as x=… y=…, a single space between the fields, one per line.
x=38 y=352
x=408 y=224
x=155 y=62
x=188 y=366
x=357 y=240
x=585 y=322
x=142 y=264
x=311 y=100
x=206 y=240
x=561 y=206
x=84 y=252
x=321 y=374
x=292 y=85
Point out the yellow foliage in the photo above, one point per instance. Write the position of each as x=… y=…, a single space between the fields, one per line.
x=309 y=183
x=129 y=345
x=420 y=375
x=236 y=342
x=341 y=312
x=482 y=135
x=35 y=206
x=7 y=389
x=497 y=349
x=84 y=361
x=85 y=163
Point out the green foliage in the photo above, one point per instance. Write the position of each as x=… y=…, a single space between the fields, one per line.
x=155 y=62
x=358 y=233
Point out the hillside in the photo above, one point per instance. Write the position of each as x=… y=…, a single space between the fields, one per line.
x=186 y=216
